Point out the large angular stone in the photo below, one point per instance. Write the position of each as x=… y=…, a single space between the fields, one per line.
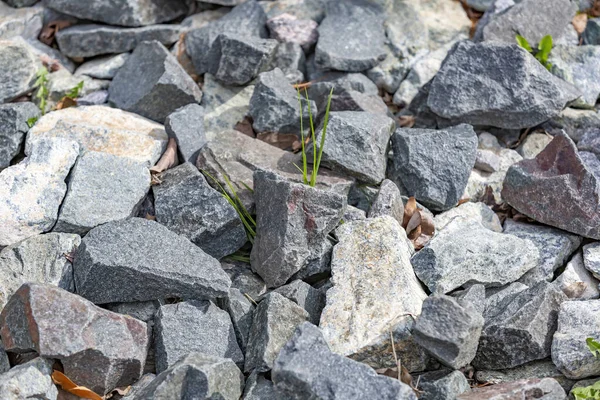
x=243 y=279
x=559 y=170
x=388 y=201
x=18 y=67
x=293 y=221
x=122 y=12
x=161 y=89
x=23 y=22
x=104 y=129
x=306 y=296
x=259 y=388
x=591 y=258
x=103 y=67
x=351 y=37
x=479 y=212
x=40 y=259
x=275 y=320
x=29 y=381
x=574 y=122
x=31 y=192
x=578 y=65
x=467 y=252
x=443 y=384
x=97 y=348
x=434 y=165
x=371 y=275
x=307 y=369
x=185 y=203
x=241 y=312
x=519 y=91
x=519 y=329
x=547 y=389
x=186 y=125
x=138 y=260
x=102 y=188
x=577 y=282
x=13 y=128
x=193 y=326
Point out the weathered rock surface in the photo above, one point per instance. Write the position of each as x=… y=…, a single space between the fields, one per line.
x=443 y=384
x=479 y=212
x=287 y=28
x=97 y=348
x=259 y=388
x=577 y=282
x=535 y=369
x=103 y=67
x=546 y=388
x=533 y=145
x=13 y=128
x=244 y=279
x=591 y=35
x=29 y=381
x=574 y=122
x=591 y=258
x=241 y=312
x=306 y=296
x=186 y=125
x=388 y=201
x=4 y=363
x=18 y=67
x=224 y=106
x=578 y=65
x=138 y=260
x=22 y=22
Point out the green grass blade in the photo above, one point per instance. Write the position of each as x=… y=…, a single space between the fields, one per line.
x=544 y=48
x=521 y=41
x=323 y=135
x=304 y=169
x=313 y=175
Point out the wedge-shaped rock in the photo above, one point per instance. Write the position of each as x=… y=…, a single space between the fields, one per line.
x=467 y=252
x=29 y=381
x=13 y=129
x=98 y=349
x=18 y=67
x=186 y=125
x=102 y=67
x=443 y=384
x=306 y=296
x=241 y=312
x=497 y=84
x=577 y=282
x=371 y=276
x=138 y=260
x=558 y=169
x=388 y=201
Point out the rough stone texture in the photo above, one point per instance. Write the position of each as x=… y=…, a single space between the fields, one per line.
x=244 y=279
x=575 y=122
x=274 y=105
x=290 y=58
x=388 y=201
x=519 y=91
x=4 y=363
x=287 y=28
x=449 y=329
x=102 y=188
x=547 y=389
x=306 y=368
x=306 y=9
x=259 y=388
x=577 y=282
x=186 y=125
x=389 y=73
x=475 y=295
x=31 y=192
x=580 y=66
x=94 y=40
x=103 y=67
x=353 y=137
x=479 y=212
x=194 y=326
x=354 y=214
x=351 y=37
x=29 y=381
x=185 y=203
x=442 y=384
x=121 y=133
x=13 y=128
x=197 y=376
x=161 y=89
x=274 y=323
x=97 y=98
x=61 y=82
x=371 y=275
x=590 y=141
x=98 y=349
x=39 y=259
x=533 y=144
x=307 y=297
x=591 y=35
x=534 y=369
x=24 y=22
x=138 y=260
x=591 y=258
x=520 y=328
x=241 y=312
x=434 y=165
x=467 y=252
x=555 y=247
x=293 y=221
x=558 y=169
x=487 y=160
x=224 y=106
x=18 y=67
x=122 y=12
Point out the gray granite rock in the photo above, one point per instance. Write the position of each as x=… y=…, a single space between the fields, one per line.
x=186 y=125
x=475 y=295
x=29 y=381
x=353 y=214
x=103 y=67
x=388 y=201
x=94 y=40
x=434 y=165
x=98 y=349
x=449 y=329
x=290 y=58
x=467 y=252
x=287 y=28
x=591 y=258
x=197 y=375
x=138 y=260
x=533 y=144
x=61 y=82
x=18 y=68
x=547 y=389
x=577 y=282
x=293 y=221
x=535 y=369
x=591 y=35
x=4 y=363
x=306 y=9
x=241 y=312
x=142 y=310
x=186 y=204
x=520 y=328
x=575 y=122
x=306 y=368
x=590 y=141
x=487 y=160
x=479 y=212
x=23 y=22
x=480 y=5
x=351 y=37
x=162 y=89
x=13 y=128
x=194 y=326
x=244 y=279
x=443 y=384
x=578 y=65
x=307 y=297
x=495 y=297
x=260 y=388
x=389 y=74
x=224 y=106
x=520 y=92
x=102 y=187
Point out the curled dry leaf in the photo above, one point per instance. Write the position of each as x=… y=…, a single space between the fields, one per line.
x=406 y=121
x=414 y=223
x=66 y=102
x=418 y=225
x=49 y=31
x=245 y=126
x=69 y=386
x=579 y=22
x=409 y=210
x=168 y=160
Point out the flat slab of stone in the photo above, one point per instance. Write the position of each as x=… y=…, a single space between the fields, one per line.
x=18 y=67
x=103 y=67
x=186 y=125
x=29 y=380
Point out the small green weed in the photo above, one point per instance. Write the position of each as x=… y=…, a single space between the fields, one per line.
x=76 y=91
x=542 y=52
x=31 y=121
x=589 y=392
x=41 y=84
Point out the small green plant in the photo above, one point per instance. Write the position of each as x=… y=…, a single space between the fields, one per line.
x=74 y=93
x=317 y=155
x=41 y=84
x=542 y=52
x=31 y=121
x=589 y=392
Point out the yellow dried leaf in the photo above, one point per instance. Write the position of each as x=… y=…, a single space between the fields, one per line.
x=69 y=386
x=409 y=210
x=169 y=158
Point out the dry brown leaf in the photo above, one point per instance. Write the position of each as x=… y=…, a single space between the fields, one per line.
x=69 y=386
x=168 y=160
x=413 y=224
x=579 y=22
x=150 y=217
x=405 y=376
x=406 y=121
x=427 y=225
x=51 y=64
x=409 y=209
x=463 y=201
x=245 y=126
x=284 y=141
x=595 y=10
x=49 y=31
x=66 y=102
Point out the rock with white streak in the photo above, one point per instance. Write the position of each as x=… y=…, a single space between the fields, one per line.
x=103 y=67
x=479 y=212
x=577 y=282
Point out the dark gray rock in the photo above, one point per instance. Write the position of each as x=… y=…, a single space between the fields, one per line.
x=547 y=389
x=241 y=312
x=244 y=279
x=580 y=66
x=103 y=67
x=289 y=57
x=434 y=165
x=122 y=12
x=591 y=35
x=196 y=376
x=29 y=381
x=590 y=141
x=274 y=323
x=142 y=310
x=186 y=125
x=307 y=297
x=449 y=330
x=94 y=40
x=161 y=89
x=98 y=349
x=138 y=260
x=520 y=328
x=351 y=37
x=18 y=68
x=480 y=5
x=13 y=128
x=260 y=388
x=293 y=221
x=574 y=122
x=186 y=204
x=307 y=369
x=443 y=384
x=194 y=326
x=4 y=363
x=354 y=214
x=519 y=91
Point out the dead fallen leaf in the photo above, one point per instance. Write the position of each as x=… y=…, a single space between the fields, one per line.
x=406 y=121
x=463 y=201
x=418 y=225
x=595 y=10
x=413 y=223
x=49 y=31
x=51 y=64
x=69 y=386
x=579 y=22
x=245 y=126
x=409 y=209
x=168 y=160
x=65 y=102
x=150 y=217
x=284 y=141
